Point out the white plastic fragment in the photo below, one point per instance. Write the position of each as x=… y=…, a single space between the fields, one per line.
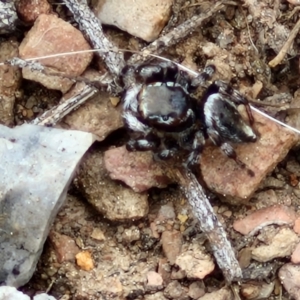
x=37 y=166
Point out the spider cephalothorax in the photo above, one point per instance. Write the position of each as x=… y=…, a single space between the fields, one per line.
x=165 y=118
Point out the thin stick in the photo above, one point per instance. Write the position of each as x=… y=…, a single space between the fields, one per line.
x=209 y=224
x=92 y=29
x=177 y=34
x=56 y=113
x=280 y=56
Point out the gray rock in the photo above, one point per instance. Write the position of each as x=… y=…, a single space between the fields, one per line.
x=37 y=166
x=107 y=196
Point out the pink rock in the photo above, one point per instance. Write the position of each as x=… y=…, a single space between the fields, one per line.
x=225 y=177
x=64 y=246
x=171 y=244
x=52 y=35
x=296 y=255
x=136 y=169
x=154 y=280
x=164 y=269
x=297 y=226
x=289 y=275
x=29 y=10
x=277 y=214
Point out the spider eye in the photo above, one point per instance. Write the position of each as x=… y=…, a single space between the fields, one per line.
x=165 y=117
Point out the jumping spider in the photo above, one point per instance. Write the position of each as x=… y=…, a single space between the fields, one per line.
x=165 y=118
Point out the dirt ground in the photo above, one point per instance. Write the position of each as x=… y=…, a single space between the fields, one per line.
x=241 y=41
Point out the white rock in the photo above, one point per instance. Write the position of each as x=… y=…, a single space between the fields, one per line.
x=11 y=293
x=144 y=19
x=43 y=297
x=37 y=166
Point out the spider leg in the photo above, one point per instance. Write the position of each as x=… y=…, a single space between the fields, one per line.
x=169 y=148
x=227 y=149
x=207 y=72
x=235 y=96
x=149 y=142
x=197 y=148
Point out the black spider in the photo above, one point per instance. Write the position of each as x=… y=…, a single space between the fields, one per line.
x=164 y=118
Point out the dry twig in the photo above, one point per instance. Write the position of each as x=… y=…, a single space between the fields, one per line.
x=92 y=29
x=282 y=53
x=56 y=113
x=177 y=34
x=209 y=224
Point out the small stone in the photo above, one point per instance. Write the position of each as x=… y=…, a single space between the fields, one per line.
x=131 y=234
x=174 y=290
x=144 y=19
x=277 y=214
x=156 y=296
x=29 y=10
x=178 y=274
x=114 y=101
x=164 y=269
x=84 y=260
x=64 y=246
x=296 y=255
x=282 y=245
x=182 y=218
x=244 y=257
x=297 y=226
x=222 y=294
x=166 y=212
x=154 y=281
x=195 y=262
x=289 y=275
x=265 y=199
x=98 y=234
x=257 y=290
x=227 y=213
x=196 y=290
x=171 y=244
